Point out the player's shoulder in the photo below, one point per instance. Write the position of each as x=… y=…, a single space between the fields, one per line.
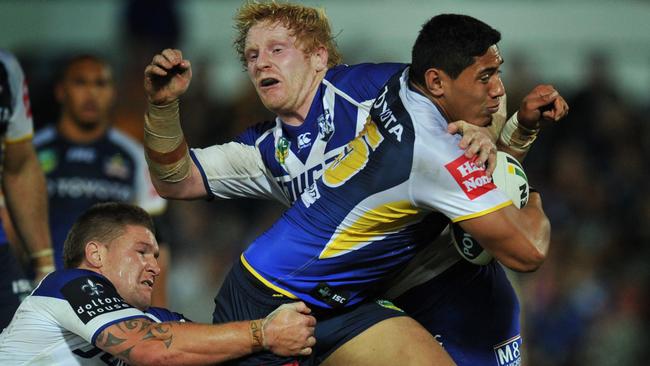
x=160 y=315
x=45 y=136
x=361 y=80
x=123 y=140
x=60 y=283
x=368 y=71
x=254 y=133
x=8 y=59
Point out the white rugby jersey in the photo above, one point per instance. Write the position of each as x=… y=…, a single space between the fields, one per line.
x=60 y=321
x=388 y=194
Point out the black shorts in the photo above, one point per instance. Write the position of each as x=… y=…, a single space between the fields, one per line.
x=243 y=297
x=472 y=311
x=14 y=285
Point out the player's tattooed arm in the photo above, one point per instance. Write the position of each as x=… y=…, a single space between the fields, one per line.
x=287 y=331
x=121 y=338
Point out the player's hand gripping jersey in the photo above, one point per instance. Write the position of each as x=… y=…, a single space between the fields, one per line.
x=368 y=214
x=59 y=322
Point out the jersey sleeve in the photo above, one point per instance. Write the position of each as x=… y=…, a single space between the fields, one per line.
x=236 y=170
x=20 y=124
x=452 y=184
x=160 y=315
x=91 y=305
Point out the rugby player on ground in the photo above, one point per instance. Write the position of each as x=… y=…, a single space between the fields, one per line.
x=97 y=310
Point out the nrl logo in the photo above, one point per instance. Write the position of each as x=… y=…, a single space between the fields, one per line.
x=92 y=289
x=325 y=126
x=282 y=150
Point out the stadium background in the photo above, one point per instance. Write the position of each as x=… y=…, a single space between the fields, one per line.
x=589 y=304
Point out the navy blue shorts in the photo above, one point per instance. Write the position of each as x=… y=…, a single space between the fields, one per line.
x=243 y=297
x=472 y=311
x=14 y=285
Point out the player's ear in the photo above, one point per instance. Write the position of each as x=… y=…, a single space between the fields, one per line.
x=95 y=254
x=319 y=58
x=434 y=79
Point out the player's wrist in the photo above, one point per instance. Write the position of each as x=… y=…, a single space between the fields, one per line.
x=257 y=334
x=166 y=150
x=43 y=261
x=517 y=136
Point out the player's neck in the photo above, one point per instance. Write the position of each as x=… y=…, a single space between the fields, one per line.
x=436 y=101
x=297 y=117
x=75 y=132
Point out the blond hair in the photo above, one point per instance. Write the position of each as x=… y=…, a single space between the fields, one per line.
x=309 y=25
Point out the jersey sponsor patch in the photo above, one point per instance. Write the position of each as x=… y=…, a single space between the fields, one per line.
x=92 y=296
x=470 y=177
x=331 y=296
x=508 y=353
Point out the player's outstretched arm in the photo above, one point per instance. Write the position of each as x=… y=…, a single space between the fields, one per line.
x=518 y=238
x=287 y=331
x=172 y=171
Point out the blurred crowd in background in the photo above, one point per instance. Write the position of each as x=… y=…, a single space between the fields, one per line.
x=589 y=304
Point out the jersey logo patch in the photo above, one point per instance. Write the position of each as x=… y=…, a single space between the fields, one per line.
x=92 y=296
x=325 y=126
x=304 y=140
x=116 y=167
x=508 y=353
x=331 y=296
x=282 y=150
x=48 y=160
x=471 y=178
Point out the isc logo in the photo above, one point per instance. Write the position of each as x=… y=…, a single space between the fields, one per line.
x=508 y=353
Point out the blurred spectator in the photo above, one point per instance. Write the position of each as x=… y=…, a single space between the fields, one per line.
x=86 y=161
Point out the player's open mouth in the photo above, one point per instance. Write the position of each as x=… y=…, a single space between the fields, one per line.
x=266 y=82
x=148 y=283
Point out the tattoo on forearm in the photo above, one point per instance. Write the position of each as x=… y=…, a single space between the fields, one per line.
x=161 y=332
x=112 y=341
x=126 y=354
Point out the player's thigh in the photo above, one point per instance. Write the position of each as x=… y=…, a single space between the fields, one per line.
x=472 y=311
x=395 y=341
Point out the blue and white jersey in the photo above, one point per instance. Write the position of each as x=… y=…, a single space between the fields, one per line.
x=275 y=161
x=59 y=322
x=388 y=193
x=111 y=168
x=15 y=111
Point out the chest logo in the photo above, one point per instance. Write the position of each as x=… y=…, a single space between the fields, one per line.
x=48 y=160
x=325 y=126
x=116 y=167
x=304 y=140
x=282 y=150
